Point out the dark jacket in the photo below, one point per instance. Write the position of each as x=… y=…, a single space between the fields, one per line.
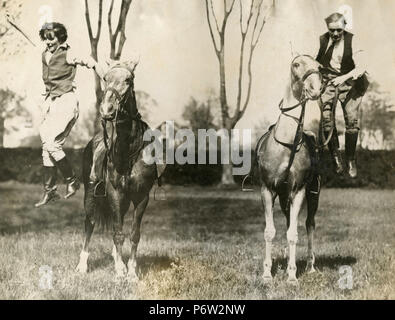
x=58 y=75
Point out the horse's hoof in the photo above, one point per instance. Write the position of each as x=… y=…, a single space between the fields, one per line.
x=81 y=268
x=293 y=281
x=132 y=277
x=120 y=271
x=310 y=269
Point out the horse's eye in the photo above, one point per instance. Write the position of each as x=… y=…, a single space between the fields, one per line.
x=296 y=65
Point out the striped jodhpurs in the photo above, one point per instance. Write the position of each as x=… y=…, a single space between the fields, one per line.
x=60 y=115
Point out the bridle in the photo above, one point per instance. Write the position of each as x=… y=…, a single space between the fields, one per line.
x=298 y=139
x=121 y=100
x=302 y=101
x=109 y=139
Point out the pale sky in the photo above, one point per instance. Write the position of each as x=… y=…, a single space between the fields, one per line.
x=177 y=59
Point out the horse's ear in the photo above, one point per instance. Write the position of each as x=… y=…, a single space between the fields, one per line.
x=293 y=53
x=132 y=63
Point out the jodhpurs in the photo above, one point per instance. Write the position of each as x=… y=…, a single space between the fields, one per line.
x=350 y=102
x=60 y=115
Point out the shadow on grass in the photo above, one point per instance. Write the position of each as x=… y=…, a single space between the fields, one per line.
x=321 y=262
x=153 y=263
x=144 y=263
x=100 y=263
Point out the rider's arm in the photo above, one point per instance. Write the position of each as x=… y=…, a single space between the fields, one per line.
x=88 y=62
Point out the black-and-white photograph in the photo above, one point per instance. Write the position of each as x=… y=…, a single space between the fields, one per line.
x=197 y=150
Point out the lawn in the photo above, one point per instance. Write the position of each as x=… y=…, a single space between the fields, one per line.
x=201 y=243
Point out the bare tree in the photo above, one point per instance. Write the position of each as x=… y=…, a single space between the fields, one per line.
x=251 y=25
x=116 y=51
x=117 y=40
x=94 y=41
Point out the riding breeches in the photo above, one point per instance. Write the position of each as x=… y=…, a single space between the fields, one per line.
x=60 y=115
x=350 y=102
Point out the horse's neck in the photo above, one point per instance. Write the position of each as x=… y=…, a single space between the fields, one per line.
x=132 y=102
x=291 y=98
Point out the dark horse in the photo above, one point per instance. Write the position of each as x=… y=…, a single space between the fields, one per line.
x=286 y=164
x=115 y=156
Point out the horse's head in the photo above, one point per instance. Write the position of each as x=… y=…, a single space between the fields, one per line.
x=306 y=77
x=118 y=86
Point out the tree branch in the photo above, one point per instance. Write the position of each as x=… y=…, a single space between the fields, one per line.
x=99 y=22
x=227 y=12
x=121 y=26
x=88 y=21
x=109 y=19
x=211 y=29
x=252 y=48
x=215 y=17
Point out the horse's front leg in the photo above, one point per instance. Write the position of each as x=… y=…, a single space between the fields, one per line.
x=135 y=237
x=82 y=266
x=118 y=236
x=270 y=231
x=312 y=196
x=292 y=234
x=89 y=205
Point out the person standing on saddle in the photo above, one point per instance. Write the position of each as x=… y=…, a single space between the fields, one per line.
x=60 y=108
x=342 y=69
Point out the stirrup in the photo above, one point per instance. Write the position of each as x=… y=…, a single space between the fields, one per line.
x=161 y=194
x=99 y=189
x=242 y=184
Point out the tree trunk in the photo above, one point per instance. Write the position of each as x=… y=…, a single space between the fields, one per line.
x=227 y=169
x=227 y=176
x=1 y=132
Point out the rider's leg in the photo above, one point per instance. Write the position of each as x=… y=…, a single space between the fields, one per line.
x=72 y=182
x=351 y=112
x=329 y=125
x=49 y=181
x=333 y=144
x=60 y=119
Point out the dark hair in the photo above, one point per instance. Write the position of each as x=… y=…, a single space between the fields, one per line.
x=335 y=17
x=58 y=29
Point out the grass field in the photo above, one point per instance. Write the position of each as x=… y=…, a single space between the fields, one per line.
x=202 y=243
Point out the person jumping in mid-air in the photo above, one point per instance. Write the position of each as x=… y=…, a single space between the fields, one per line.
x=60 y=108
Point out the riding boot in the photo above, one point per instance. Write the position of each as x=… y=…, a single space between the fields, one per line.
x=72 y=183
x=350 y=146
x=50 y=193
x=333 y=146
